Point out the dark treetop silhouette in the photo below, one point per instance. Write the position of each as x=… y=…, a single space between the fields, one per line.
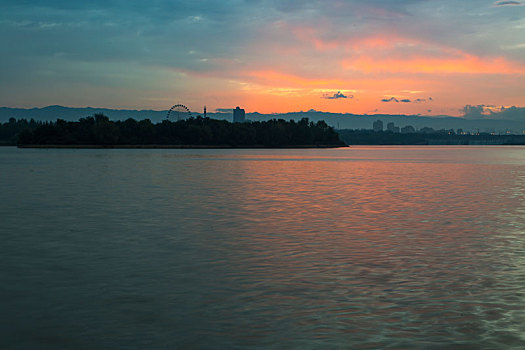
x=99 y=130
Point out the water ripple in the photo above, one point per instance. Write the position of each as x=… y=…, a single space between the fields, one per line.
x=362 y=248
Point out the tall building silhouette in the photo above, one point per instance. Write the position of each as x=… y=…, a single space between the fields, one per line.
x=407 y=129
x=391 y=127
x=239 y=115
x=378 y=125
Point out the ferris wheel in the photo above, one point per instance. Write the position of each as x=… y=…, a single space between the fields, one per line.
x=178 y=112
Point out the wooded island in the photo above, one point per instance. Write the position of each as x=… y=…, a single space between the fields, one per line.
x=201 y=132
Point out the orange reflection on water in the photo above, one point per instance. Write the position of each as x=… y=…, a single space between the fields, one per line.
x=407 y=241
x=362 y=221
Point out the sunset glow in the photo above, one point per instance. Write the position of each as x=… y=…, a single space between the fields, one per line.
x=338 y=56
x=467 y=64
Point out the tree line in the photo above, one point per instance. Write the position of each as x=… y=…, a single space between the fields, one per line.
x=99 y=130
x=439 y=137
x=10 y=130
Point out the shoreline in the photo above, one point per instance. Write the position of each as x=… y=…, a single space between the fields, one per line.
x=177 y=146
x=249 y=147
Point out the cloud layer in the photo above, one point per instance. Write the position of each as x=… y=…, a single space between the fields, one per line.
x=266 y=55
x=508 y=3
x=336 y=96
x=405 y=100
x=493 y=112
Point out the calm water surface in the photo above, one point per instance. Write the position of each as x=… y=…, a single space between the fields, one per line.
x=360 y=248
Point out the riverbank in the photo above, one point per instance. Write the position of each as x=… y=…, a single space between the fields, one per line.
x=175 y=146
x=370 y=137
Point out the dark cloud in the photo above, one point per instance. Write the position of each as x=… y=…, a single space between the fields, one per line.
x=391 y=99
x=473 y=112
x=224 y=110
x=404 y=100
x=507 y=3
x=336 y=96
x=511 y=113
x=493 y=112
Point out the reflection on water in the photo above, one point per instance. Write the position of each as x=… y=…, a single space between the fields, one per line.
x=379 y=247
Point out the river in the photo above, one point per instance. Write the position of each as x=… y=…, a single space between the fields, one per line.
x=359 y=248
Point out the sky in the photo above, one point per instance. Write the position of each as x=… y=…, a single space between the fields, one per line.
x=428 y=57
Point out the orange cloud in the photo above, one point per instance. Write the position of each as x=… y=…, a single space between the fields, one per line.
x=318 y=38
x=369 y=68
x=278 y=79
x=467 y=64
x=390 y=53
x=365 y=43
x=272 y=91
x=275 y=78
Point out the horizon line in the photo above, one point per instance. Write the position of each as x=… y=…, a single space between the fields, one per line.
x=216 y=111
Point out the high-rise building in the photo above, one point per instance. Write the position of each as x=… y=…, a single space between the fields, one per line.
x=239 y=115
x=408 y=129
x=378 y=125
x=391 y=127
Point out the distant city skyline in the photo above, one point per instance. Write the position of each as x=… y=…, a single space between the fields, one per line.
x=364 y=57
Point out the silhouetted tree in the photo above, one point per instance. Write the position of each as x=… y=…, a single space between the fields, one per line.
x=100 y=130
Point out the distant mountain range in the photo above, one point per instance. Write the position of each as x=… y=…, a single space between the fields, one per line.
x=337 y=120
x=52 y=113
